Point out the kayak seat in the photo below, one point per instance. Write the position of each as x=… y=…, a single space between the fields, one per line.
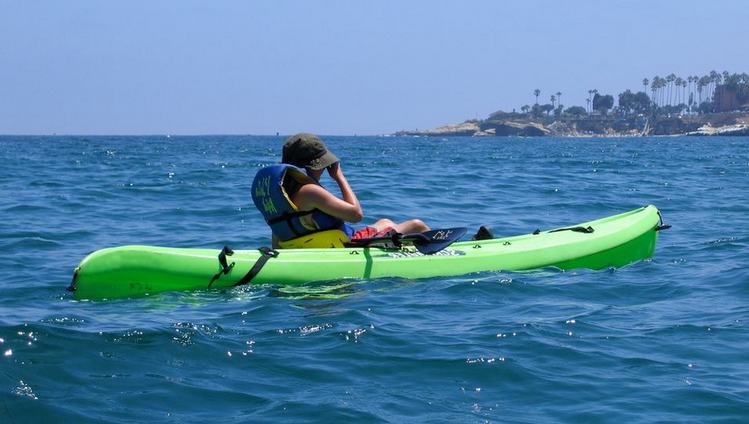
x=320 y=240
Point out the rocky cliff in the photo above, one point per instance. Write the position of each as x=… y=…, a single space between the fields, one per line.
x=736 y=124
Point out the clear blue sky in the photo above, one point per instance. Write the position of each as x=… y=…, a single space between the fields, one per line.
x=336 y=67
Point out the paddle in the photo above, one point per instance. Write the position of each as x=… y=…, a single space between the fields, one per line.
x=428 y=242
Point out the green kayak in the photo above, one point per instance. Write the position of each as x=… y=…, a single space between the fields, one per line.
x=129 y=271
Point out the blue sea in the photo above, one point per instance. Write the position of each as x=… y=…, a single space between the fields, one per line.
x=662 y=340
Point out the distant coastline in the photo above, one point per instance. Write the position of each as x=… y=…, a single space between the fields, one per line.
x=712 y=105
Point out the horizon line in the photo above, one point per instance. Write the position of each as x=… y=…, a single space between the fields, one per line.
x=179 y=135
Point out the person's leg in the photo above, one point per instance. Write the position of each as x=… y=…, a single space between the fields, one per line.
x=411 y=226
x=383 y=224
x=375 y=230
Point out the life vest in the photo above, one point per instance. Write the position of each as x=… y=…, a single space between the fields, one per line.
x=280 y=212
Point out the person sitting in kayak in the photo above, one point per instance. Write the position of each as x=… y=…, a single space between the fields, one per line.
x=295 y=205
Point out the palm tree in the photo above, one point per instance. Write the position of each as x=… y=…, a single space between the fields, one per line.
x=670 y=79
x=701 y=83
x=695 y=79
x=677 y=84
x=655 y=85
x=689 y=91
x=553 y=100
x=661 y=90
x=715 y=80
x=536 y=93
x=559 y=98
x=589 y=100
x=718 y=81
x=690 y=96
x=654 y=89
x=594 y=91
x=685 y=90
x=726 y=77
x=645 y=83
x=590 y=93
x=663 y=84
x=695 y=84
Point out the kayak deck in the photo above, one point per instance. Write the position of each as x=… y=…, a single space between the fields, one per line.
x=129 y=271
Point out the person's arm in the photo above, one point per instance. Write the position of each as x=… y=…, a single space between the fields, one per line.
x=348 y=194
x=312 y=196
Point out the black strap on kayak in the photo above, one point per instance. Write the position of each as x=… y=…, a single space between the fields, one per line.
x=225 y=266
x=73 y=286
x=661 y=226
x=586 y=230
x=267 y=253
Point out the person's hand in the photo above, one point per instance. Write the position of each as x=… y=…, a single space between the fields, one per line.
x=335 y=170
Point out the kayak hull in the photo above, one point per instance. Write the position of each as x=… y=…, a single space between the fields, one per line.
x=130 y=271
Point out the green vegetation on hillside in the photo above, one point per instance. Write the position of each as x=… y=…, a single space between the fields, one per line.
x=672 y=95
x=676 y=105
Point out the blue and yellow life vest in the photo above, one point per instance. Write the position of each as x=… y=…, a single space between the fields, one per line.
x=280 y=212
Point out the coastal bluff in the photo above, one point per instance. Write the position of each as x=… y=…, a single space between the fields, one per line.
x=479 y=129
x=714 y=124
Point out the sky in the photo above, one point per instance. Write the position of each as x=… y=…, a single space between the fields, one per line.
x=337 y=67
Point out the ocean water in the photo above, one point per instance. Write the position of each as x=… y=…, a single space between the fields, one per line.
x=662 y=340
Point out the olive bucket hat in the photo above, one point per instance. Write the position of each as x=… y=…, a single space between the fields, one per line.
x=307 y=151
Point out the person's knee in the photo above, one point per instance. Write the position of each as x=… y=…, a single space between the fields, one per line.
x=418 y=225
x=384 y=222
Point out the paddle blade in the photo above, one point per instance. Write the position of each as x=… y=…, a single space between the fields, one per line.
x=433 y=241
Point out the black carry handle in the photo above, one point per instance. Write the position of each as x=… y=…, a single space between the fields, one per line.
x=266 y=252
x=662 y=226
x=225 y=266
